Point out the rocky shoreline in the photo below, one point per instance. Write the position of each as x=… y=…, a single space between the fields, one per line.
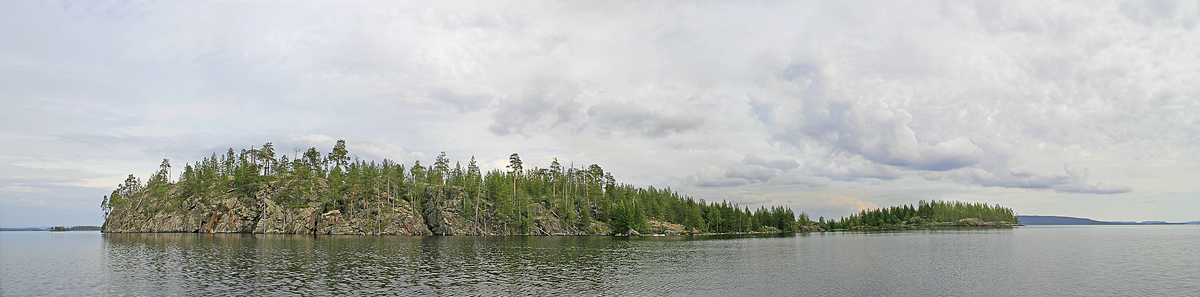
x=964 y=223
x=262 y=213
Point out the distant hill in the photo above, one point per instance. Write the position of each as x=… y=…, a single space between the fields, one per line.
x=1060 y=220
x=25 y=229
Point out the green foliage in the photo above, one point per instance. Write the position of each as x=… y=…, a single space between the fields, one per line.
x=933 y=212
x=515 y=198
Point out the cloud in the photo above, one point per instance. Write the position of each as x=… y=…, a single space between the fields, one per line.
x=516 y=116
x=842 y=201
x=611 y=116
x=718 y=97
x=712 y=176
x=752 y=169
x=1078 y=183
x=851 y=168
x=780 y=163
x=1075 y=180
x=751 y=174
x=882 y=136
x=462 y=97
x=557 y=106
x=529 y=111
x=982 y=105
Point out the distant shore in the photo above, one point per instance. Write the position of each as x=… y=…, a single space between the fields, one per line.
x=1064 y=220
x=56 y=228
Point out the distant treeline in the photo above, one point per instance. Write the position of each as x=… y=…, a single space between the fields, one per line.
x=55 y=228
x=576 y=195
x=1060 y=220
x=923 y=214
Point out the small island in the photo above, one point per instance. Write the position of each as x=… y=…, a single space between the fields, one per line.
x=256 y=191
x=75 y=228
x=926 y=215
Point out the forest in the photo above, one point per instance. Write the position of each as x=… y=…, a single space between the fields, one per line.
x=931 y=213
x=577 y=196
x=516 y=200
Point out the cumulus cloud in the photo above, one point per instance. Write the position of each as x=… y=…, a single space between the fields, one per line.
x=945 y=104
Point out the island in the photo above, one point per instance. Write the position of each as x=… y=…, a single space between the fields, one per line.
x=54 y=229
x=1061 y=220
x=927 y=215
x=255 y=191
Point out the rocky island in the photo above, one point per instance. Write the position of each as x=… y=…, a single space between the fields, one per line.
x=254 y=191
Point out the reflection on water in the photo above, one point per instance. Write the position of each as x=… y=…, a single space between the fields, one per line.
x=1060 y=260
x=236 y=264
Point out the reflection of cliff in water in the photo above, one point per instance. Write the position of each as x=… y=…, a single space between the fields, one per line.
x=231 y=213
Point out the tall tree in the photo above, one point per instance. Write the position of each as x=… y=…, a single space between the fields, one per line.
x=555 y=173
x=267 y=154
x=442 y=166
x=164 y=170
x=339 y=155
x=312 y=159
x=474 y=181
x=514 y=162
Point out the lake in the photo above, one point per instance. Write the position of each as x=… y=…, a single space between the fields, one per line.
x=1030 y=260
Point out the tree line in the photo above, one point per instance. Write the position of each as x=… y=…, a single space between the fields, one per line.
x=923 y=213
x=579 y=196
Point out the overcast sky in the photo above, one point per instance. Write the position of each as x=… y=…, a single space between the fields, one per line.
x=1084 y=109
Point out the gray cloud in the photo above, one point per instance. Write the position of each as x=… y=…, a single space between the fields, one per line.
x=1074 y=180
x=551 y=105
x=516 y=116
x=751 y=174
x=462 y=100
x=1079 y=183
x=530 y=110
x=611 y=116
x=852 y=168
x=781 y=163
x=711 y=176
x=752 y=169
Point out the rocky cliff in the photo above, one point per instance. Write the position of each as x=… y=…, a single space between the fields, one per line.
x=274 y=209
x=444 y=216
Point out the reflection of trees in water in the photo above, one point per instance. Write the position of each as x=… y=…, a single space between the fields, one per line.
x=245 y=264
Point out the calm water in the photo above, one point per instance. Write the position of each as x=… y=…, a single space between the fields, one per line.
x=1032 y=260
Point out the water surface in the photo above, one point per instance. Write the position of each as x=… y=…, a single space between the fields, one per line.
x=1031 y=260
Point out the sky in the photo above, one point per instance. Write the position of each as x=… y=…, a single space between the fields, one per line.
x=1077 y=108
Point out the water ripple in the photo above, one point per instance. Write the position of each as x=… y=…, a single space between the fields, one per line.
x=1110 y=260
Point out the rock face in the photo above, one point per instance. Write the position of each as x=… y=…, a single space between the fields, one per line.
x=668 y=228
x=445 y=207
x=259 y=213
x=440 y=210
